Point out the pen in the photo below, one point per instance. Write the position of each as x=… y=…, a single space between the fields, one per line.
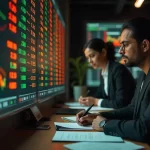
x=86 y=112
x=87 y=93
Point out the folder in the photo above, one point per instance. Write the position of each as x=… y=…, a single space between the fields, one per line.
x=71 y=126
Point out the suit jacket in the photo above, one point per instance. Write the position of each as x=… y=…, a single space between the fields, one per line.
x=121 y=86
x=133 y=121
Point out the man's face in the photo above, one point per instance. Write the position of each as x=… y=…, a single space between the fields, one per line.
x=129 y=49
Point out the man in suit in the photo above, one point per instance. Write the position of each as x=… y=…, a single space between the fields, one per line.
x=133 y=121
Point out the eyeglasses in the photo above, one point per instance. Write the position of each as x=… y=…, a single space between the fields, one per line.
x=125 y=44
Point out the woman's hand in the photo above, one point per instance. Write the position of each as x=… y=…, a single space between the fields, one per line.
x=87 y=101
x=85 y=120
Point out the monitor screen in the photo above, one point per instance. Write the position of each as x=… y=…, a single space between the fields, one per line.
x=31 y=53
x=109 y=32
x=50 y=52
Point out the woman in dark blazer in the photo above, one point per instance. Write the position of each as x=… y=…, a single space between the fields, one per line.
x=117 y=85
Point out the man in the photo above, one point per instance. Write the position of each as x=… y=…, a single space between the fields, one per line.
x=133 y=121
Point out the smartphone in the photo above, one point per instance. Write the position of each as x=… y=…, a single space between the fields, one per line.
x=43 y=127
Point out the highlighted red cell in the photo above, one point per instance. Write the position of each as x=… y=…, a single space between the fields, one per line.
x=11 y=45
x=12 y=17
x=12 y=85
x=12 y=28
x=12 y=75
x=15 y=1
x=13 y=56
x=12 y=7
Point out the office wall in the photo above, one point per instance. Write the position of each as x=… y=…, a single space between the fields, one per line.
x=80 y=14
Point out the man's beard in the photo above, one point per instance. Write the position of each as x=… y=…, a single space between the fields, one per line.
x=127 y=62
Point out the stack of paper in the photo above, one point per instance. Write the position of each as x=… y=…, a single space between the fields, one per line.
x=73 y=104
x=93 y=108
x=71 y=126
x=70 y=119
x=85 y=136
x=77 y=105
x=103 y=146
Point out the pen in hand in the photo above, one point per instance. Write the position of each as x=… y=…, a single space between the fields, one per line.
x=87 y=93
x=86 y=112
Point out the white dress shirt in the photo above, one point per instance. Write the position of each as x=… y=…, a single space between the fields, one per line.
x=105 y=77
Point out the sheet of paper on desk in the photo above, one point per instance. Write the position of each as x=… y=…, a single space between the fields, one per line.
x=85 y=136
x=71 y=126
x=73 y=104
x=93 y=108
x=103 y=146
x=70 y=119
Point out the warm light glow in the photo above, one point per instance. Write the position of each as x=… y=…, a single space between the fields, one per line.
x=138 y=3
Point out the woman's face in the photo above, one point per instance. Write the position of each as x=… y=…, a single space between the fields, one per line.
x=95 y=58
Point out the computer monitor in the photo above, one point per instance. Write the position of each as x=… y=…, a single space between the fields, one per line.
x=31 y=53
x=50 y=51
x=109 y=31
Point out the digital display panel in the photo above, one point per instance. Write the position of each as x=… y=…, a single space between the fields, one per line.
x=32 y=53
x=50 y=52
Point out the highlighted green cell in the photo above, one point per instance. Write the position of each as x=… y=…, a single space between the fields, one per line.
x=23 y=35
x=46 y=61
x=24 y=44
x=22 y=52
x=21 y=25
x=46 y=67
x=46 y=44
x=46 y=78
x=22 y=60
x=23 y=18
x=13 y=65
x=23 y=86
x=46 y=39
x=46 y=23
x=11 y=103
x=23 y=10
x=2 y=16
x=46 y=51
x=24 y=2
x=45 y=33
x=46 y=84
x=23 y=69
x=46 y=73
x=23 y=77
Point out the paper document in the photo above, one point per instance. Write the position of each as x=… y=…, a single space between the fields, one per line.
x=70 y=119
x=73 y=104
x=84 y=136
x=71 y=126
x=103 y=146
x=93 y=108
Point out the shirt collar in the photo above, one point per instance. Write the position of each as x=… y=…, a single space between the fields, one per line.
x=105 y=73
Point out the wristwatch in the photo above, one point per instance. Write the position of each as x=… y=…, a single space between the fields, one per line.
x=102 y=123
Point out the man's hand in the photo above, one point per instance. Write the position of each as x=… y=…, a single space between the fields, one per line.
x=87 y=101
x=85 y=120
x=95 y=123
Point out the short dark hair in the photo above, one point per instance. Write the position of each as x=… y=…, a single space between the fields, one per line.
x=98 y=44
x=140 y=27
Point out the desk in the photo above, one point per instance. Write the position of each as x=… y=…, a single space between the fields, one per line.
x=38 y=140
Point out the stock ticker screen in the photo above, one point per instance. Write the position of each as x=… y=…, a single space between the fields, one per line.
x=31 y=53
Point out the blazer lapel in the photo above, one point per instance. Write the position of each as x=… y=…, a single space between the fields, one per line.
x=141 y=92
x=109 y=75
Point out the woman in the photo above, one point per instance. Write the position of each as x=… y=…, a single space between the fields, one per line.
x=117 y=85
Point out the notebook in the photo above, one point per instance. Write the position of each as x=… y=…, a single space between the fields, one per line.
x=71 y=126
x=68 y=111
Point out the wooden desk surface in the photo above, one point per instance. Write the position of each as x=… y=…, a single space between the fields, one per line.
x=38 y=140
